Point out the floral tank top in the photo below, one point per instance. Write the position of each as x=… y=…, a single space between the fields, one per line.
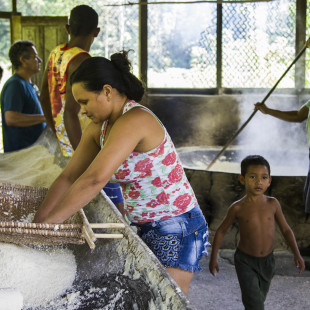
x=154 y=184
x=58 y=63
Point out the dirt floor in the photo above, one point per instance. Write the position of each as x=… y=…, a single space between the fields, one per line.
x=289 y=289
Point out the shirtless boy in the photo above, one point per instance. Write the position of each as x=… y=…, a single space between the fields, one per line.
x=256 y=215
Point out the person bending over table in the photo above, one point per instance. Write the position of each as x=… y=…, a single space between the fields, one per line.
x=126 y=142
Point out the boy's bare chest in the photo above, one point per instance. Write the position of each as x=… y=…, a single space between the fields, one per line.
x=257 y=214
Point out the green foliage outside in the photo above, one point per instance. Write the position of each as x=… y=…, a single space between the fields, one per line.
x=258 y=41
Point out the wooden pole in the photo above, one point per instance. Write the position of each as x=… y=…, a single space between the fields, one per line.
x=109 y=236
x=107 y=225
x=252 y=115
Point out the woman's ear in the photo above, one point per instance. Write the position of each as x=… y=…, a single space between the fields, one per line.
x=107 y=91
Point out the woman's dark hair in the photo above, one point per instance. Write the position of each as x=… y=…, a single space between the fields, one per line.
x=95 y=72
x=255 y=160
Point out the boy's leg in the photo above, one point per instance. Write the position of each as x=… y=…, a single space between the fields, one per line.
x=266 y=273
x=249 y=282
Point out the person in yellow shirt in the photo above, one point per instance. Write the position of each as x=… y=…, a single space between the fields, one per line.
x=62 y=112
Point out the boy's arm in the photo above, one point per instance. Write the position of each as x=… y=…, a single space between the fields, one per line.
x=289 y=237
x=219 y=235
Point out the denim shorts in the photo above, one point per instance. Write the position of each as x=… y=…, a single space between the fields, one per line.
x=114 y=192
x=179 y=241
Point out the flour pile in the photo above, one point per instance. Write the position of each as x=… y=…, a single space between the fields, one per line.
x=10 y=299
x=40 y=275
x=32 y=166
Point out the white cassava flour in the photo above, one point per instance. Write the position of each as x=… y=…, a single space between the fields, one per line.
x=32 y=166
x=39 y=275
x=10 y=299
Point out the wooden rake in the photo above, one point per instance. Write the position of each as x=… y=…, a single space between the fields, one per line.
x=17 y=202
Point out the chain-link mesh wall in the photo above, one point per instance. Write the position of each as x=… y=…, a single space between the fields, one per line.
x=5 y=41
x=176 y=57
x=5 y=5
x=119 y=24
x=258 y=40
x=258 y=43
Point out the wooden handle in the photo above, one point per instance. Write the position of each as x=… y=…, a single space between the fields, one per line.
x=86 y=226
x=89 y=239
x=109 y=236
x=90 y=236
x=107 y=225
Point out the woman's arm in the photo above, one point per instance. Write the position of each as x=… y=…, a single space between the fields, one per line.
x=53 y=196
x=135 y=130
x=79 y=162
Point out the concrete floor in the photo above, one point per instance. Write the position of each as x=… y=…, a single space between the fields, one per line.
x=289 y=289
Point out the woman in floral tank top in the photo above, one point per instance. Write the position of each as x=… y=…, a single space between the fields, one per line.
x=127 y=144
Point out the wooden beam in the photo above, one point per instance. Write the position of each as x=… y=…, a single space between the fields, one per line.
x=143 y=42
x=14 y=6
x=300 y=67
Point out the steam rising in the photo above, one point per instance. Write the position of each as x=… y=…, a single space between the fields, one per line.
x=283 y=144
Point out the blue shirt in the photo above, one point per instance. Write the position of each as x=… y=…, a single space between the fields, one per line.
x=20 y=96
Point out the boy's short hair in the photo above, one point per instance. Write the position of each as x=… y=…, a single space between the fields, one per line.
x=253 y=160
x=83 y=20
x=19 y=49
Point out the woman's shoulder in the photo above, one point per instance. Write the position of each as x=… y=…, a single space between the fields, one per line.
x=138 y=114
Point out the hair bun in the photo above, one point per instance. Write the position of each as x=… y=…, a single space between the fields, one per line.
x=121 y=61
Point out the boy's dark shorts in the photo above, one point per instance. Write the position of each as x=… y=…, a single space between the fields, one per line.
x=254 y=275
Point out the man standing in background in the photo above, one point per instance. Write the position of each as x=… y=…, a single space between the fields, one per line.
x=59 y=107
x=22 y=117
x=61 y=110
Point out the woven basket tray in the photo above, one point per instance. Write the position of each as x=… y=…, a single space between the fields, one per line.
x=18 y=204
